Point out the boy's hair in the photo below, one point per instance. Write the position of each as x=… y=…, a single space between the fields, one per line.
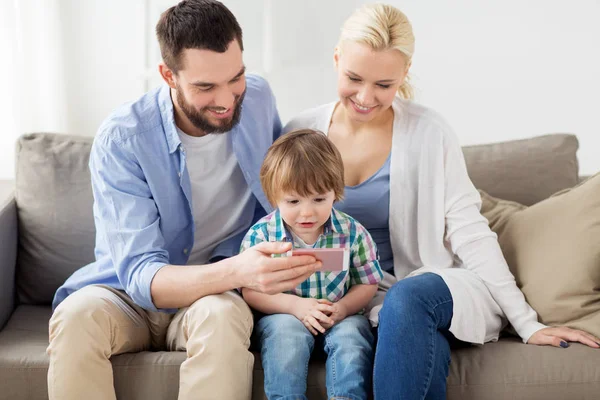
x=195 y=24
x=304 y=161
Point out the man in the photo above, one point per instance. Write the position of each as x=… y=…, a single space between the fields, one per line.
x=176 y=186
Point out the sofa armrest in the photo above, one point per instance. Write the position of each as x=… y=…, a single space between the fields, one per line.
x=8 y=255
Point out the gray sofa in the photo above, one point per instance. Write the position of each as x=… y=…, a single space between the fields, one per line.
x=47 y=232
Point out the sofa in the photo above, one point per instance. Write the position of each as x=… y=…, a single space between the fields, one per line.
x=47 y=232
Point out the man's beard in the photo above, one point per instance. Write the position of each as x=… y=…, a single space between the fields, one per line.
x=198 y=119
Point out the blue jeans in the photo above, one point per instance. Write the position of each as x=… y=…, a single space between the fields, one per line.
x=413 y=350
x=286 y=346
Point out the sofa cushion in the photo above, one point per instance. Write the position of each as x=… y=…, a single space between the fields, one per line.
x=507 y=369
x=553 y=249
x=54 y=203
x=526 y=171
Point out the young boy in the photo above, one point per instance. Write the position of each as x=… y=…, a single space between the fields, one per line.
x=302 y=175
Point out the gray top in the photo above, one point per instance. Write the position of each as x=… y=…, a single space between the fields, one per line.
x=369 y=203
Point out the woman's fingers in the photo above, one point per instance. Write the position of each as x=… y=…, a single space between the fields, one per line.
x=560 y=336
x=573 y=335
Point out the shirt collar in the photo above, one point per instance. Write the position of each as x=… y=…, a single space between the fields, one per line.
x=168 y=117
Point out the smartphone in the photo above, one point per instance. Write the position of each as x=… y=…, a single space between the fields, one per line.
x=333 y=260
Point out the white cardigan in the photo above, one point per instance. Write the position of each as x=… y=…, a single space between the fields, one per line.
x=435 y=225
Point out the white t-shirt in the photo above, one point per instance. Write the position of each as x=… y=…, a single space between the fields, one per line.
x=222 y=203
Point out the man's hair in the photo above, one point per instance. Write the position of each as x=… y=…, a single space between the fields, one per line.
x=195 y=24
x=304 y=161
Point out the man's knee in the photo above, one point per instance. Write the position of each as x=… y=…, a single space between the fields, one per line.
x=221 y=310
x=86 y=307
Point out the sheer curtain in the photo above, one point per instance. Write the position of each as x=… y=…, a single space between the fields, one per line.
x=33 y=74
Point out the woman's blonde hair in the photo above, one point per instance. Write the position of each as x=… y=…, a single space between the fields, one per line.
x=382 y=27
x=305 y=162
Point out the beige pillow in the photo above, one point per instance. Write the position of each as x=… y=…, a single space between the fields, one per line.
x=553 y=249
x=526 y=170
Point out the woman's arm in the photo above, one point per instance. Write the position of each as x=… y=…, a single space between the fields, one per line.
x=477 y=246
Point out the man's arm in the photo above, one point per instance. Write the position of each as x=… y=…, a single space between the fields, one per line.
x=128 y=220
x=176 y=286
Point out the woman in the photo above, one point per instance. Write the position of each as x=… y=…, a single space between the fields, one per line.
x=407 y=183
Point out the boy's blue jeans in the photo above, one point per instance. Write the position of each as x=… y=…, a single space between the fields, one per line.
x=413 y=348
x=286 y=346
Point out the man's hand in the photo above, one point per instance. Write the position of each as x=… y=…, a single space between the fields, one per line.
x=313 y=314
x=257 y=270
x=338 y=312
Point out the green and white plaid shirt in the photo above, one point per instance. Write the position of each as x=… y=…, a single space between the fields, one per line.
x=340 y=231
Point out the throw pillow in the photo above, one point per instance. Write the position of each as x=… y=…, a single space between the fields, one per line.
x=553 y=250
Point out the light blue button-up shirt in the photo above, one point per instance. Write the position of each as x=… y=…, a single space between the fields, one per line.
x=142 y=190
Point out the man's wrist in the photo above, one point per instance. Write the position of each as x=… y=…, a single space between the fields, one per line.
x=232 y=272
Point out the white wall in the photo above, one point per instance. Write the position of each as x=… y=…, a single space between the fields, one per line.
x=496 y=70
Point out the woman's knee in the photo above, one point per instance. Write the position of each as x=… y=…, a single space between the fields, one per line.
x=411 y=295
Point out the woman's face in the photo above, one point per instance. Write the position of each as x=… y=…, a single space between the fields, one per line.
x=368 y=80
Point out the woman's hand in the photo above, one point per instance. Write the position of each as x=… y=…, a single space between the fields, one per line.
x=560 y=336
x=313 y=314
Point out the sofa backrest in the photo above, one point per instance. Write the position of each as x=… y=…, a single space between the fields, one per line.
x=54 y=197
x=54 y=205
x=527 y=170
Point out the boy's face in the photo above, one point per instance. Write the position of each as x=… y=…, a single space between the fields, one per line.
x=306 y=215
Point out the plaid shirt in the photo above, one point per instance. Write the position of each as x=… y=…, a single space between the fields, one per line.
x=340 y=231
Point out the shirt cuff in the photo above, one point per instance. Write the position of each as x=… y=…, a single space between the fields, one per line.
x=529 y=329
x=144 y=297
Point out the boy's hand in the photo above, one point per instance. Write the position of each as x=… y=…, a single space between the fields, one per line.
x=338 y=312
x=313 y=314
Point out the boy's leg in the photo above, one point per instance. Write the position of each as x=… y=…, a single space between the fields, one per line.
x=286 y=346
x=349 y=349
x=86 y=329
x=215 y=331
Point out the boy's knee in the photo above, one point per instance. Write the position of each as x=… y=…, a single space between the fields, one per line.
x=284 y=326
x=354 y=327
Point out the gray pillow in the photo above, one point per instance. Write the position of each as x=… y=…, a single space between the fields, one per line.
x=526 y=171
x=54 y=203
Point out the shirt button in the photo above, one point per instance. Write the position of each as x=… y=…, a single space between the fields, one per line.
x=185 y=251
x=179 y=174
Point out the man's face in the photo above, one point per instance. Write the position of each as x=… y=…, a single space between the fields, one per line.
x=210 y=88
